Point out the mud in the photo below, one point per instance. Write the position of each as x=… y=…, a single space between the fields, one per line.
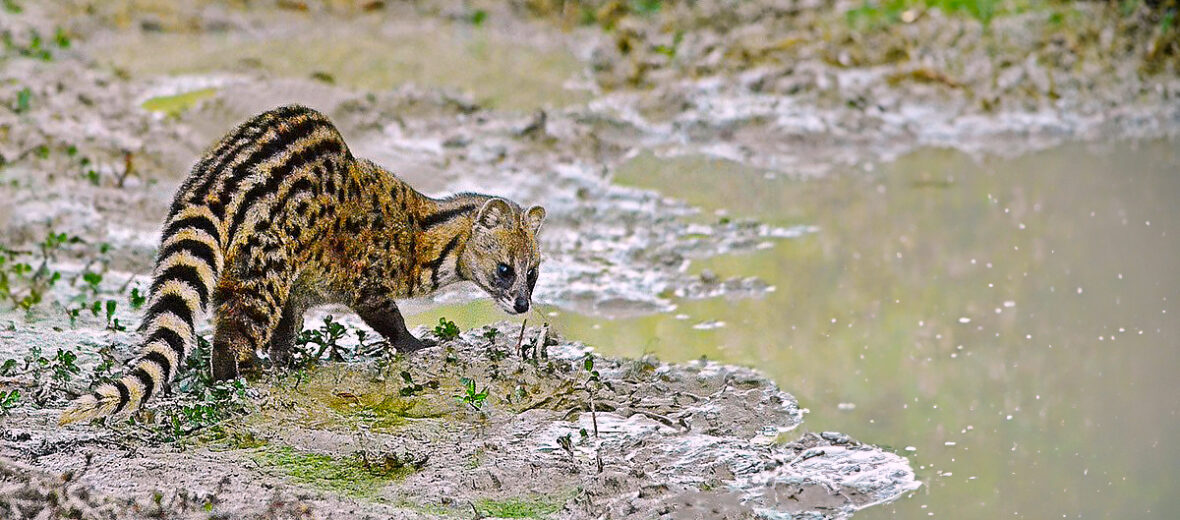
x=109 y=104
x=686 y=440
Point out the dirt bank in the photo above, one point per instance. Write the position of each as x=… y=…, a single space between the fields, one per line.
x=558 y=433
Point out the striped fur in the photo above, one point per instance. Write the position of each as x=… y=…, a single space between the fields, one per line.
x=279 y=216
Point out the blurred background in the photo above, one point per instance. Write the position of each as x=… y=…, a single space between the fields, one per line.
x=949 y=227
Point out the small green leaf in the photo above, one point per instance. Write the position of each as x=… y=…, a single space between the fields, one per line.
x=23 y=97
x=137 y=298
x=446 y=329
x=479 y=17
x=92 y=279
x=61 y=38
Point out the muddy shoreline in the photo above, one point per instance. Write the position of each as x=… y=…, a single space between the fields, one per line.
x=557 y=437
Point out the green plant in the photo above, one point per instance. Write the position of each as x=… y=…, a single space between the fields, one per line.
x=493 y=353
x=61 y=38
x=479 y=17
x=469 y=396
x=34 y=49
x=72 y=313
x=63 y=365
x=566 y=443
x=84 y=165
x=106 y=308
x=104 y=370
x=446 y=329
x=411 y=388
x=646 y=7
x=202 y=405
x=35 y=363
x=22 y=100
x=592 y=375
x=491 y=334
x=8 y=400
x=92 y=281
x=21 y=283
x=328 y=338
x=137 y=298
x=112 y=321
x=210 y=406
x=48 y=375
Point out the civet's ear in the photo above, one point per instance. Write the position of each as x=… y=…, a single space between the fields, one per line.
x=534 y=217
x=495 y=212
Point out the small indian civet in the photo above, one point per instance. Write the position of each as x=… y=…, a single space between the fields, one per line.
x=279 y=216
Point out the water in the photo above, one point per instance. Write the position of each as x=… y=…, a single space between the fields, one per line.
x=1008 y=324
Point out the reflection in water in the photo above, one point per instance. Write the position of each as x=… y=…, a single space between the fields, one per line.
x=1006 y=324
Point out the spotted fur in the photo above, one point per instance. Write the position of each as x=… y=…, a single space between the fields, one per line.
x=279 y=216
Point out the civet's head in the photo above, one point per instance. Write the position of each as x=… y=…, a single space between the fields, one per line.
x=502 y=256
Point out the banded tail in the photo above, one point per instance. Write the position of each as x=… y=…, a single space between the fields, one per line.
x=187 y=269
x=230 y=187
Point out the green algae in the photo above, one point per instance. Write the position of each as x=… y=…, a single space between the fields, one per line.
x=529 y=506
x=344 y=475
x=337 y=397
x=384 y=412
x=177 y=104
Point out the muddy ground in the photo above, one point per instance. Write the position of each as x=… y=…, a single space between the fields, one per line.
x=109 y=103
x=555 y=437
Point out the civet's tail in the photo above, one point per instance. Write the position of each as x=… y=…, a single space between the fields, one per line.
x=186 y=272
x=207 y=210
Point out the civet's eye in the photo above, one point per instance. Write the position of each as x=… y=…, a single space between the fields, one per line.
x=533 y=273
x=504 y=271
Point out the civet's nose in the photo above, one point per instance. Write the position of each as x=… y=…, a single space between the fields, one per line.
x=522 y=304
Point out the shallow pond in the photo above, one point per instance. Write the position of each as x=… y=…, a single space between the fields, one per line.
x=1005 y=323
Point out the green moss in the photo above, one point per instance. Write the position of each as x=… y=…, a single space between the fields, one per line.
x=383 y=412
x=532 y=506
x=339 y=397
x=343 y=475
x=877 y=14
x=175 y=105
